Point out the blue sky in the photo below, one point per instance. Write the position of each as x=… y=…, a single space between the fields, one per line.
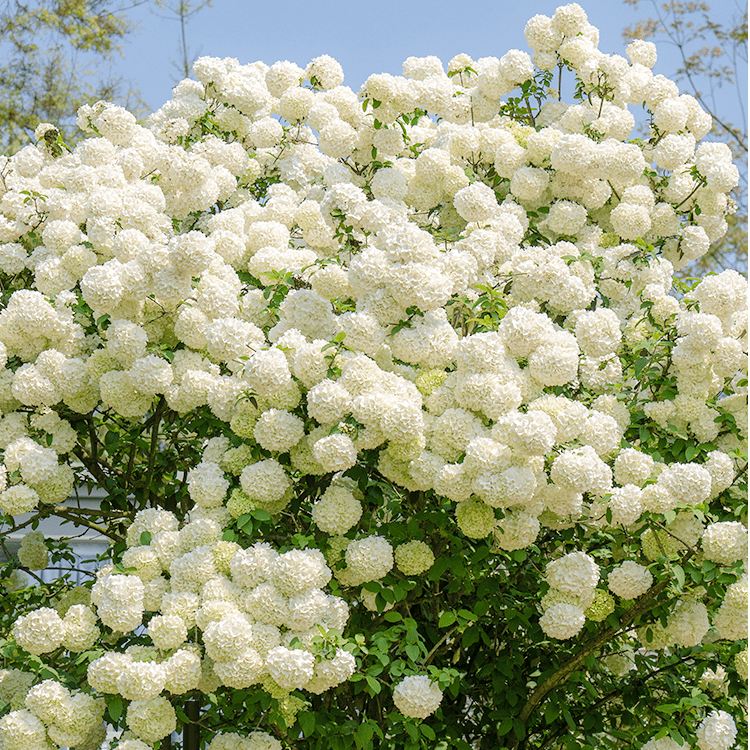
x=364 y=37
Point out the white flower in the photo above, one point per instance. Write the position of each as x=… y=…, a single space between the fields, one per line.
x=716 y=732
x=290 y=668
x=40 y=631
x=299 y=571
x=151 y=720
x=265 y=481
x=335 y=452
x=562 y=621
x=575 y=573
x=477 y=202
x=414 y=558
x=369 y=559
x=725 y=542
x=629 y=580
x=336 y=511
x=417 y=696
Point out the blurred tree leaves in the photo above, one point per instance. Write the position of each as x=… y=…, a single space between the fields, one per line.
x=712 y=47
x=53 y=59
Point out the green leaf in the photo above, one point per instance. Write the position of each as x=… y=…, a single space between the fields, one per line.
x=568 y=718
x=427 y=731
x=245 y=523
x=691 y=452
x=373 y=684
x=145 y=538
x=412 y=651
x=505 y=726
x=679 y=574
x=307 y=722
x=260 y=515
x=446 y=619
x=365 y=733
x=114 y=708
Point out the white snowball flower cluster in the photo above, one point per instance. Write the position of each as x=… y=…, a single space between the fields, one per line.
x=417 y=696
x=629 y=580
x=725 y=542
x=33 y=552
x=731 y=619
x=151 y=720
x=572 y=579
x=716 y=732
x=53 y=715
x=246 y=602
x=254 y=741
x=414 y=558
x=337 y=510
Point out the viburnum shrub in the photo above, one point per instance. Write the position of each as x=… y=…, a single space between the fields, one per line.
x=408 y=436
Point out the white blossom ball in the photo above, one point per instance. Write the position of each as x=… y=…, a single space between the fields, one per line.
x=22 y=730
x=250 y=567
x=688 y=623
x=740 y=664
x=141 y=680
x=566 y=217
x=326 y=71
x=689 y=483
x=183 y=670
x=241 y=672
x=475 y=518
x=731 y=619
x=278 y=430
x=81 y=630
x=151 y=720
x=102 y=673
x=417 y=696
x=46 y=699
x=716 y=732
x=298 y=571
x=40 y=631
x=290 y=668
x=167 y=631
x=369 y=559
x=562 y=621
x=328 y=402
x=633 y=467
x=629 y=580
x=228 y=638
x=335 y=452
x=477 y=202
x=414 y=558
x=725 y=542
x=18 y=499
x=665 y=743
x=575 y=573
x=332 y=672
x=265 y=481
x=336 y=511
x=516 y=531
x=207 y=485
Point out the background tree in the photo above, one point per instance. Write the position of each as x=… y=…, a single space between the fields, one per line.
x=183 y=12
x=54 y=52
x=712 y=47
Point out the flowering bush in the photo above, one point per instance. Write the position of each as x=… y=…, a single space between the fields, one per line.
x=399 y=413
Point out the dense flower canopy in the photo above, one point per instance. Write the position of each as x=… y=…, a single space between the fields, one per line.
x=441 y=308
